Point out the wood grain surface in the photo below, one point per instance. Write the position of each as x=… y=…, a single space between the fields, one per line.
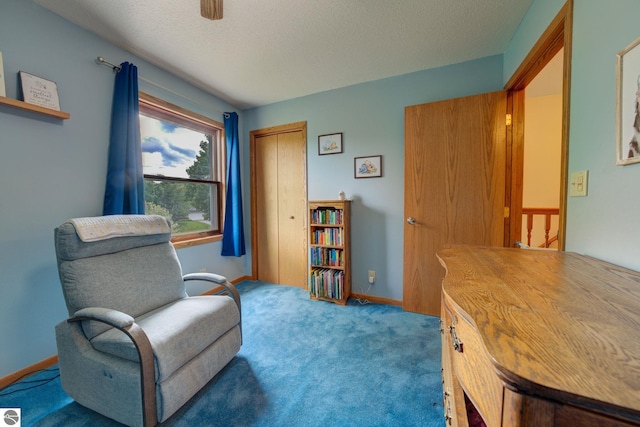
x=455 y=159
x=555 y=325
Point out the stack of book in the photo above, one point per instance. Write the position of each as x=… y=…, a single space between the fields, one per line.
x=327 y=216
x=326 y=283
x=327 y=236
x=327 y=257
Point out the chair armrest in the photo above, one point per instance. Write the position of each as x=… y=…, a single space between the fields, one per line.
x=114 y=318
x=126 y=324
x=207 y=277
x=220 y=281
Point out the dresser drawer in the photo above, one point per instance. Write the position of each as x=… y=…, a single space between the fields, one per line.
x=473 y=369
x=455 y=412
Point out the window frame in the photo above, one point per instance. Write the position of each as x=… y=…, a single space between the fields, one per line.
x=159 y=108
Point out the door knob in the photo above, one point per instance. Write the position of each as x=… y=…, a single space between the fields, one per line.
x=411 y=221
x=291 y=217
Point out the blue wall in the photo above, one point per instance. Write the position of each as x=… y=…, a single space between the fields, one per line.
x=603 y=224
x=371 y=117
x=53 y=170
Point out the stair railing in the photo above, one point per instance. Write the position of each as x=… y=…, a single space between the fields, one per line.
x=547 y=213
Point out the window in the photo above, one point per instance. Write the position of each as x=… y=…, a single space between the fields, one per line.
x=183 y=168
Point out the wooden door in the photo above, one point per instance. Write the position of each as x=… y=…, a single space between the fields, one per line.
x=292 y=209
x=455 y=164
x=279 y=204
x=267 y=229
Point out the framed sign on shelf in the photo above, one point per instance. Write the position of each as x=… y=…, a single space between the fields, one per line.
x=39 y=91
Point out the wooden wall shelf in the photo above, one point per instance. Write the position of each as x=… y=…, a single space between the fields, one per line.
x=33 y=108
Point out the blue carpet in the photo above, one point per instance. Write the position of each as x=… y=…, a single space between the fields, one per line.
x=303 y=363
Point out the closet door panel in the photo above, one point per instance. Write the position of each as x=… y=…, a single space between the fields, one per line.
x=266 y=170
x=292 y=209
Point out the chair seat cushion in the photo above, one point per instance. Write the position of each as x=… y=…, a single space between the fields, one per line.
x=178 y=331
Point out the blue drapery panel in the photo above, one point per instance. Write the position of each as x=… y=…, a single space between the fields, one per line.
x=124 y=193
x=233 y=234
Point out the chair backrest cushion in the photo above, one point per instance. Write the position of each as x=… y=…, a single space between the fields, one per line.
x=134 y=273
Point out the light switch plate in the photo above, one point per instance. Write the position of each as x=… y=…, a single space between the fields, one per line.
x=579 y=181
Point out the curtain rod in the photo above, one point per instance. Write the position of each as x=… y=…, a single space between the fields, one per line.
x=116 y=68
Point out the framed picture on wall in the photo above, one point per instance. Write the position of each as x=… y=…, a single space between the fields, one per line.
x=367 y=167
x=330 y=143
x=628 y=105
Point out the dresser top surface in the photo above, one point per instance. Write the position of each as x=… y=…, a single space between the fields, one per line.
x=555 y=324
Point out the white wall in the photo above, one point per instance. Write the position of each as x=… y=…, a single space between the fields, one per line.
x=542 y=135
x=542 y=147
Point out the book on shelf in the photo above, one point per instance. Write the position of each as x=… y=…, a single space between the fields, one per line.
x=327 y=257
x=327 y=236
x=327 y=216
x=326 y=283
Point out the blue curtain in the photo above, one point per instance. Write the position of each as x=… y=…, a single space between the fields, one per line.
x=124 y=193
x=233 y=234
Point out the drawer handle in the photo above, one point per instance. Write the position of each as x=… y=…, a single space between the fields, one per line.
x=455 y=341
x=447 y=407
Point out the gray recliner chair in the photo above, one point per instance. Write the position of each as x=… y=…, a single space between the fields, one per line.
x=136 y=348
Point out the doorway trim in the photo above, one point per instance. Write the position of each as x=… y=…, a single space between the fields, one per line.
x=253 y=136
x=557 y=35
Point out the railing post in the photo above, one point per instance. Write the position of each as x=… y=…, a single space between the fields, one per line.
x=547 y=227
x=548 y=213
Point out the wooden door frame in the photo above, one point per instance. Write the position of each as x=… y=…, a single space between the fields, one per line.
x=557 y=35
x=253 y=136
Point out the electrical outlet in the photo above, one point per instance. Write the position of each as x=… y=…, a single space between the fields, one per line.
x=372 y=276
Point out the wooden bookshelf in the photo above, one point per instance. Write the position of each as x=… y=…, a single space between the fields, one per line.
x=21 y=105
x=329 y=250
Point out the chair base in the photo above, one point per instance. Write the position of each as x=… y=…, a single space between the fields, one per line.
x=111 y=386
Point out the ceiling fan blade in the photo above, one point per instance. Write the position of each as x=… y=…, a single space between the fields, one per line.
x=211 y=9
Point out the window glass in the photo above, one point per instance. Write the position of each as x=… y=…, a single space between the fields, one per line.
x=172 y=150
x=180 y=157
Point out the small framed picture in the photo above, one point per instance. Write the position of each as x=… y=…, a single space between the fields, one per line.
x=39 y=91
x=628 y=105
x=330 y=143
x=367 y=167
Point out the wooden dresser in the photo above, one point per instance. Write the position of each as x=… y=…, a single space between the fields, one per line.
x=539 y=338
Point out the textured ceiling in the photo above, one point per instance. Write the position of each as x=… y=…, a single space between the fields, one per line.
x=264 y=51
